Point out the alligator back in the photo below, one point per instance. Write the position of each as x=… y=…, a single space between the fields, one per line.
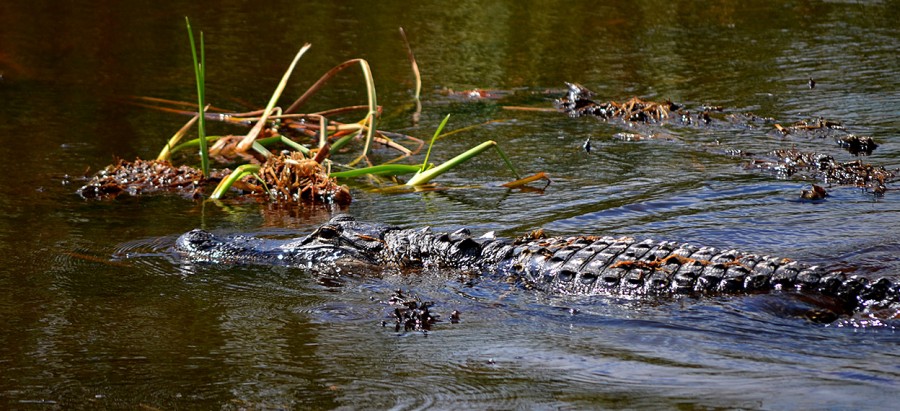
x=625 y=266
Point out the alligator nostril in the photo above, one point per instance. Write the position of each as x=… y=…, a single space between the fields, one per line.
x=194 y=240
x=198 y=236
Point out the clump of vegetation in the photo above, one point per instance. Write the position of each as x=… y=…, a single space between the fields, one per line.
x=301 y=172
x=144 y=177
x=292 y=177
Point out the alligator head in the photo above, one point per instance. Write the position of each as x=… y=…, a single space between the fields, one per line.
x=340 y=239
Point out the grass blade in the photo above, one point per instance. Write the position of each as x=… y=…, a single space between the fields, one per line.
x=428 y=175
x=412 y=61
x=237 y=174
x=532 y=178
x=200 y=77
x=433 y=139
x=373 y=109
x=166 y=152
x=379 y=170
x=247 y=142
x=423 y=177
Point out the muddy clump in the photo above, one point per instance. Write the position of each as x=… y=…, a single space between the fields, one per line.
x=857 y=145
x=823 y=167
x=412 y=314
x=295 y=178
x=288 y=178
x=144 y=177
x=578 y=103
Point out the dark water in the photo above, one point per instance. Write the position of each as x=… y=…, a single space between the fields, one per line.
x=96 y=313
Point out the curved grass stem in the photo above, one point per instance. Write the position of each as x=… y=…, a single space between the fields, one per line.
x=373 y=110
x=426 y=174
x=247 y=142
x=237 y=174
x=169 y=148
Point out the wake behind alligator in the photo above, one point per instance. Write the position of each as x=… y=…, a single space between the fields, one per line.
x=581 y=265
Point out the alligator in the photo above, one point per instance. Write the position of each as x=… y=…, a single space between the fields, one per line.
x=578 y=102
x=578 y=265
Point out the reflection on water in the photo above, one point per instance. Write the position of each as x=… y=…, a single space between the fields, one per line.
x=98 y=313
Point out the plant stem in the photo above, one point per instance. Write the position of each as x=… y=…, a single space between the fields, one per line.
x=433 y=139
x=235 y=175
x=200 y=77
x=424 y=177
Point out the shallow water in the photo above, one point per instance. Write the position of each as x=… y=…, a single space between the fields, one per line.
x=98 y=313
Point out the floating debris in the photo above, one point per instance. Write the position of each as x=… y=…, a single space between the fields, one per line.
x=454 y=317
x=631 y=137
x=811 y=83
x=578 y=103
x=787 y=163
x=817 y=124
x=816 y=193
x=476 y=94
x=412 y=314
x=823 y=167
x=288 y=178
x=857 y=145
x=294 y=178
x=144 y=177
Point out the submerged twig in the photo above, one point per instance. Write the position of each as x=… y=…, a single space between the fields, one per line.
x=530 y=179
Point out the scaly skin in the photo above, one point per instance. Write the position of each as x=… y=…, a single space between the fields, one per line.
x=573 y=265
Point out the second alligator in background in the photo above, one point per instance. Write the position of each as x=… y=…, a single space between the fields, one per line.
x=789 y=162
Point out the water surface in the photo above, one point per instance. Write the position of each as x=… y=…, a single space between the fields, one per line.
x=98 y=313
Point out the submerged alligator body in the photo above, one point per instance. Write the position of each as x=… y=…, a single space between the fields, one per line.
x=585 y=265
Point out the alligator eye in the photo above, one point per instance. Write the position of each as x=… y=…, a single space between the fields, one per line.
x=327 y=233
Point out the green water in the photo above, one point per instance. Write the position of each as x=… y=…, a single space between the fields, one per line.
x=97 y=313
